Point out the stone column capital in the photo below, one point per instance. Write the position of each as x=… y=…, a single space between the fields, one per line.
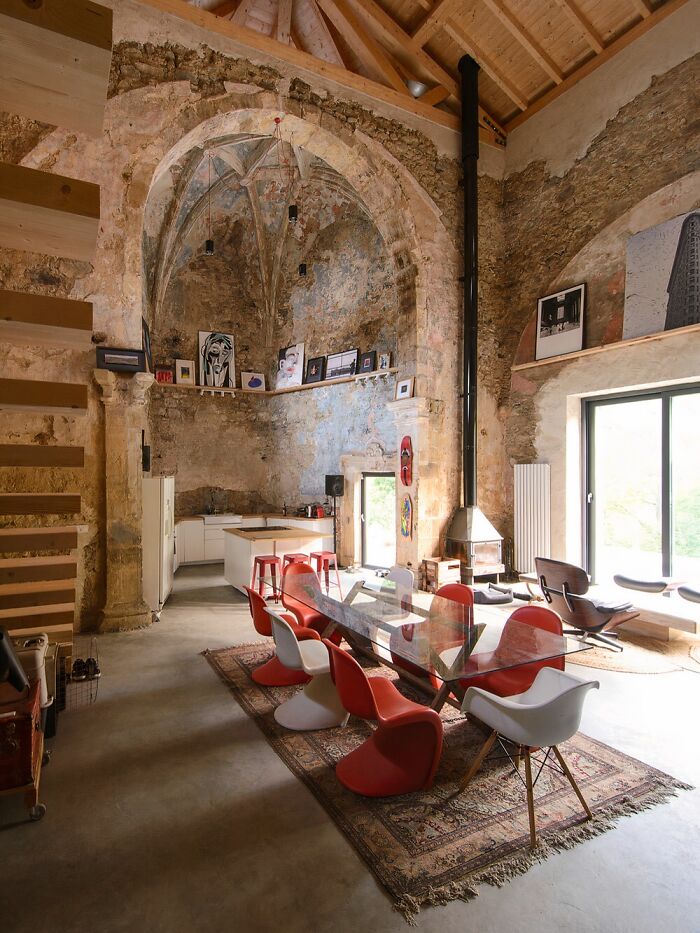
x=411 y=409
x=106 y=380
x=139 y=386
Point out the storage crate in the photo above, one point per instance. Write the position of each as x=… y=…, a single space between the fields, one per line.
x=437 y=572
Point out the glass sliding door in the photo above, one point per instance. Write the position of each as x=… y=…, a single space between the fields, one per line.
x=378 y=520
x=643 y=485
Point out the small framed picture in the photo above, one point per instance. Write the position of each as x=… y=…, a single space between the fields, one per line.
x=290 y=366
x=404 y=388
x=164 y=374
x=560 y=323
x=315 y=369
x=368 y=362
x=384 y=361
x=339 y=365
x=184 y=372
x=120 y=361
x=254 y=382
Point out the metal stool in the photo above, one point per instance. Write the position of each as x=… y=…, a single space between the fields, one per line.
x=260 y=567
x=295 y=558
x=323 y=560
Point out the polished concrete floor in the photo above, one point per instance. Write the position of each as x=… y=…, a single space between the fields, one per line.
x=167 y=811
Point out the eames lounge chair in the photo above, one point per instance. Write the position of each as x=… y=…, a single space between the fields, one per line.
x=318 y=705
x=307 y=616
x=546 y=714
x=564 y=587
x=403 y=752
x=273 y=673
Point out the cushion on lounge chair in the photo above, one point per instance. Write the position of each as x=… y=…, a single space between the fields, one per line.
x=690 y=593
x=608 y=608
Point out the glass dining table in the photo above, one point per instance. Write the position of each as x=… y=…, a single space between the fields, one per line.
x=431 y=641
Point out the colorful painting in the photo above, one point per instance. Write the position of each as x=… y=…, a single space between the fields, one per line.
x=407 y=517
x=255 y=382
x=290 y=366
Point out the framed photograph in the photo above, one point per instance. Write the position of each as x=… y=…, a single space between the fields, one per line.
x=253 y=381
x=290 y=366
x=315 y=369
x=368 y=362
x=146 y=344
x=342 y=364
x=184 y=372
x=164 y=374
x=404 y=388
x=120 y=361
x=560 y=323
x=384 y=361
x=216 y=359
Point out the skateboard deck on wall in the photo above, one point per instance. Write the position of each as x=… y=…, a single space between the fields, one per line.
x=407 y=517
x=406 y=461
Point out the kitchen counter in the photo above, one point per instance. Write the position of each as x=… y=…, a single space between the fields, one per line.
x=271 y=534
x=243 y=545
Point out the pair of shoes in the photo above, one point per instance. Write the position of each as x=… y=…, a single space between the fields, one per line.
x=92 y=669
x=85 y=670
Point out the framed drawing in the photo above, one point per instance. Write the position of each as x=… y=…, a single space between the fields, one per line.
x=315 y=369
x=560 y=323
x=384 y=361
x=120 y=361
x=216 y=359
x=255 y=382
x=342 y=364
x=290 y=366
x=184 y=372
x=404 y=388
x=368 y=362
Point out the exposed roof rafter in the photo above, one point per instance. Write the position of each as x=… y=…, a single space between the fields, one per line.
x=577 y=17
x=528 y=42
x=490 y=67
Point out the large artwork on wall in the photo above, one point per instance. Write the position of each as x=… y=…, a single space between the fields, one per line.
x=662 y=280
x=216 y=360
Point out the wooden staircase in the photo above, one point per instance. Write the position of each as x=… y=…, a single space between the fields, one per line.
x=56 y=57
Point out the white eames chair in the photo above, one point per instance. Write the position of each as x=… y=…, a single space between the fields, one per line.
x=317 y=705
x=547 y=713
x=403 y=579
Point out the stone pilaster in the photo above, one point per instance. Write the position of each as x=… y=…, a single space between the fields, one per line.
x=124 y=401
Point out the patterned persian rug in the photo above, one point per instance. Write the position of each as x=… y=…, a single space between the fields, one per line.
x=432 y=847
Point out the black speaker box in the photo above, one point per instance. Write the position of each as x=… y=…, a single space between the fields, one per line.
x=335 y=485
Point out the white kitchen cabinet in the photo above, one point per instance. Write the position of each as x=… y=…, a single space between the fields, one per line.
x=190 y=541
x=214 y=542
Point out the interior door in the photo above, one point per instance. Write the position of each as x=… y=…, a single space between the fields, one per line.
x=378 y=519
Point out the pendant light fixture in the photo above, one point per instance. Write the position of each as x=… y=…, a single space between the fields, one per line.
x=209 y=245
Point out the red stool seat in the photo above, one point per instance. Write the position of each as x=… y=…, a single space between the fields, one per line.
x=324 y=560
x=263 y=564
x=294 y=558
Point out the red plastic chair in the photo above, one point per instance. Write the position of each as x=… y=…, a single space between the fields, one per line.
x=306 y=615
x=518 y=679
x=273 y=673
x=403 y=752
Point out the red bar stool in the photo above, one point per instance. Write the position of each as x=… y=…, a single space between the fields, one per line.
x=323 y=561
x=295 y=558
x=261 y=565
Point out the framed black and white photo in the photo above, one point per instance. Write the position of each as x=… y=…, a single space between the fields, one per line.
x=290 y=366
x=254 y=382
x=120 y=361
x=184 y=372
x=342 y=364
x=560 y=322
x=404 y=388
x=368 y=362
x=146 y=344
x=315 y=369
x=384 y=361
x=216 y=359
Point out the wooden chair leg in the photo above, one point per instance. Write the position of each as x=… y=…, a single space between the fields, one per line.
x=476 y=764
x=567 y=772
x=530 y=798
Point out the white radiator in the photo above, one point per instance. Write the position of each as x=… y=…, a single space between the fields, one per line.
x=532 y=505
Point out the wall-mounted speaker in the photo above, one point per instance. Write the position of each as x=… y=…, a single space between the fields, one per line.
x=335 y=485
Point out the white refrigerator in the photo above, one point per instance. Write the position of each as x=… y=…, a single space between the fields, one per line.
x=158 y=539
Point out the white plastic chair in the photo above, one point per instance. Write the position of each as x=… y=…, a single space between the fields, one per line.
x=403 y=578
x=547 y=713
x=317 y=705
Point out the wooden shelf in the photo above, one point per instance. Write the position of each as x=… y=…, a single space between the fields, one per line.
x=41 y=617
x=56 y=61
x=618 y=345
x=33 y=569
x=208 y=390
x=41 y=319
x=34 y=503
x=18 y=540
x=47 y=593
x=46 y=213
x=40 y=455
x=51 y=398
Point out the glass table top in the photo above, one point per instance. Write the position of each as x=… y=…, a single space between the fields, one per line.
x=436 y=635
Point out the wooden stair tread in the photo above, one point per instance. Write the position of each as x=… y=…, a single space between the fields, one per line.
x=56 y=538
x=42 y=212
x=68 y=398
x=37 y=569
x=44 y=593
x=41 y=319
x=60 y=633
x=37 y=616
x=41 y=455
x=24 y=503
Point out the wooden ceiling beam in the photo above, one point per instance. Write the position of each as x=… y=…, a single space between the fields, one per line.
x=328 y=39
x=528 y=42
x=627 y=38
x=284 y=21
x=643 y=7
x=225 y=9
x=367 y=49
x=240 y=14
x=577 y=17
x=435 y=95
x=486 y=62
x=436 y=19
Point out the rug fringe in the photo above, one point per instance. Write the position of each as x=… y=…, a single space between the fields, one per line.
x=549 y=844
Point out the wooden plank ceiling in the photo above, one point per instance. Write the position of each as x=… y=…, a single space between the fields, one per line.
x=530 y=51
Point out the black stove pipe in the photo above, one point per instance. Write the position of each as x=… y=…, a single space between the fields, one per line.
x=469 y=71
